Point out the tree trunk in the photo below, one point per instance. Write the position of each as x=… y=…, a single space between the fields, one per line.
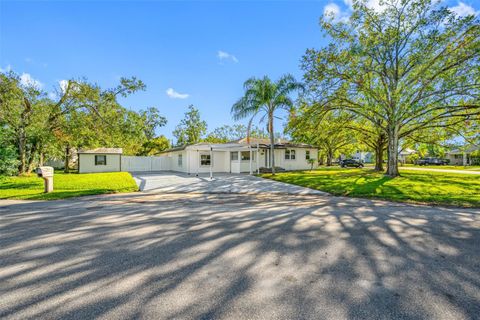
x=272 y=143
x=379 y=147
x=67 y=158
x=41 y=159
x=21 y=151
x=392 y=151
x=329 y=158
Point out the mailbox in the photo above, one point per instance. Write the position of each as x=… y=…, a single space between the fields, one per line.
x=47 y=174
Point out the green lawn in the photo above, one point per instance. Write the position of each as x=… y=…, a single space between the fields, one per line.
x=412 y=186
x=467 y=168
x=66 y=185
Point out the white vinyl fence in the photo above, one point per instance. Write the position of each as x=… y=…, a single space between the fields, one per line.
x=132 y=163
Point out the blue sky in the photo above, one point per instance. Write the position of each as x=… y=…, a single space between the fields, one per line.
x=202 y=51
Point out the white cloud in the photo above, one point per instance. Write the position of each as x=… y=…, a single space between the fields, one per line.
x=52 y=95
x=175 y=95
x=222 y=55
x=63 y=85
x=463 y=10
x=334 y=12
x=27 y=80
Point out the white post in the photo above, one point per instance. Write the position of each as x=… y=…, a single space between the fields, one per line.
x=198 y=162
x=464 y=159
x=211 y=162
x=258 y=156
x=250 y=162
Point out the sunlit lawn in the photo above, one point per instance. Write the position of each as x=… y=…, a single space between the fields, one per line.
x=66 y=185
x=467 y=168
x=412 y=186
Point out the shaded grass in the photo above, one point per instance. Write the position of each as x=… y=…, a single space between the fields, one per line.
x=66 y=185
x=413 y=186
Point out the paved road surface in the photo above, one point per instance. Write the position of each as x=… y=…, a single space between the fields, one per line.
x=237 y=256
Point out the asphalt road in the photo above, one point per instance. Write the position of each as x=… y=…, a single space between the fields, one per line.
x=214 y=256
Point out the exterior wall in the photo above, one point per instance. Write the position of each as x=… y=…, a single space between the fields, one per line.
x=458 y=159
x=87 y=163
x=238 y=166
x=220 y=163
x=173 y=161
x=300 y=162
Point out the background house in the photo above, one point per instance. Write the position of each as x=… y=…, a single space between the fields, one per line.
x=405 y=156
x=465 y=157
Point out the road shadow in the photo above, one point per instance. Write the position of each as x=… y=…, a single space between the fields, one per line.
x=227 y=256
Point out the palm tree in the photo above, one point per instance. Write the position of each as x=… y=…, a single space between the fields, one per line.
x=262 y=96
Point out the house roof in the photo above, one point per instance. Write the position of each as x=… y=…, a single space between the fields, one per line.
x=101 y=151
x=467 y=150
x=262 y=143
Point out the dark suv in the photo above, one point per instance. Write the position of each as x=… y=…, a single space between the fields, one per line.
x=351 y=163
x=431 y=161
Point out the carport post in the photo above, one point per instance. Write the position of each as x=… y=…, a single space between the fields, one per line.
x=250 y=149
x=258 y=167
x=198 y=162
x=211 y=162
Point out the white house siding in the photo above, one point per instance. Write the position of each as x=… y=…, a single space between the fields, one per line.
x=300 y=162
x=87 y=163
x=220 y=163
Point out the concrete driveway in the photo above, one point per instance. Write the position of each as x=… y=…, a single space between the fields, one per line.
x=237 y=256
x=172 y=182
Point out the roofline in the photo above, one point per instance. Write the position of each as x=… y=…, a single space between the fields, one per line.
x=82 y=152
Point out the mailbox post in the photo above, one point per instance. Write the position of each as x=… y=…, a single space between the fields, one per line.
x=47 y=174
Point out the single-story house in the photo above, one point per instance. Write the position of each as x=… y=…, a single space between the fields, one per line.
x=100 y=160
x=239 y=156
x=403 y=156
x=363 y=156
x=463 y=157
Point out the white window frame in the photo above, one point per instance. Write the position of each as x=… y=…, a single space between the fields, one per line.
x=248 y=153
x=180 y=160
x=290 y=154
x=209 y=157
x=307 y=154
x=234 y=153
x=97 y=162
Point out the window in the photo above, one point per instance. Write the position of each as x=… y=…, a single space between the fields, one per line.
x=289 y=154
x=180 y=160
x=100 y=160
x=245 y=155
x=205 y=160
x=234 y=156
x=307 y=155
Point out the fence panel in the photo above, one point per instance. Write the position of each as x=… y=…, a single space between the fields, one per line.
x=134 y=163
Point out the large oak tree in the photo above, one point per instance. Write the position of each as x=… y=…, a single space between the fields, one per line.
x=409 y=63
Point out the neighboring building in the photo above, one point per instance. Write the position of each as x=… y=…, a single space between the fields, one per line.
x=239 y=156
x=403 y=156
x=100 y=160
x=463 y=157
x=363 y=156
